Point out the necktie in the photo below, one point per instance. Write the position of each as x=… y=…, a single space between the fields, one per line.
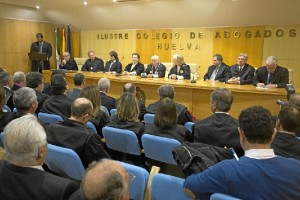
x=240 y=71
x=111 y=65
x=214 y=74
x=269 y=80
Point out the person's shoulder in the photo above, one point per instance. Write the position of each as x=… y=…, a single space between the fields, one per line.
x=203 y=121
x=282 y=68
x=234 y=66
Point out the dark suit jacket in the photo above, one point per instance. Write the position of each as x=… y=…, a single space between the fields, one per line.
x=47 y=49
x=116 y=67
x=223 y=73
x=139 y=68
x=70 y=65
x=15 y=87
x=280 y=76
x=5 y=118
x=107 y=101
x=29 y=183
x=59 y=105
x=41 y=98
x=96 y=66
x=9 y=97
x=184 y=71
x=246 y=76
x=218 y=130
x=161 y=70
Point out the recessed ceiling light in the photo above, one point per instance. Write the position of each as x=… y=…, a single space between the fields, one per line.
x=85 y=3
x=115 y=1
x=37 y=7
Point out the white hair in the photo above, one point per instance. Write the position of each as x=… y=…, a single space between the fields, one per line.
x=244 y=55
x=23 y=98
x=155 y=57
x=271 y=60
x=103 y=84
x=22 y=139
x=19 y=77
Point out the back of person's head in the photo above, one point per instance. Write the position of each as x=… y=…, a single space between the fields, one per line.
x=106 y=179
x=58 y=71
x=25 y=98
x=128 y=107
x=58 y=84
x=295 y=99
x=78 y=79
x=129 y=87
x=4 y=78
x=34 y=79
x=81 y=106
x=23 y=139
x=289 y=117
x=219 y=57
x=2 y=99
x=165 y=115
x=166 y=91
x=222 y=98
x=104 y=84
x=91 y=92
x=257 y=125
x=19 y=77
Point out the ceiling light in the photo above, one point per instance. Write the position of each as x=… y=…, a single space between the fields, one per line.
x=37 y=7
x=115 y=1
x=85 y=3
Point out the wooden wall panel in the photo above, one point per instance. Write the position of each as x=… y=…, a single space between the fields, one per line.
x=75 y=41
x=16 y=37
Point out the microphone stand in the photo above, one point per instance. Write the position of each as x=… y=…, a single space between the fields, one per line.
x=193 y=80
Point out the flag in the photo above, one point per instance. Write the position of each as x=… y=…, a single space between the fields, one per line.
x=63 y=41
x=69 y=41
x=57 y=53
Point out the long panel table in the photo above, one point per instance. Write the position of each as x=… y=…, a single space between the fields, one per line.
x=195 y=96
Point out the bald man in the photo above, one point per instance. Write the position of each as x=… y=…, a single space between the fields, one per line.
x=106 y=179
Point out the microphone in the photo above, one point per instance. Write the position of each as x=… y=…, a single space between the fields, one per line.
x=193 y=80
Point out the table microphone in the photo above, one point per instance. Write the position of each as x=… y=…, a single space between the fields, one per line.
x=193 y=80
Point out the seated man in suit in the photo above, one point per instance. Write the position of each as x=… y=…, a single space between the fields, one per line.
x=22 y=175
x=68 y=62
x=73 y=133
x=7 y=83
x=79 y=82
x=260 y=174
x=113 y=65
x=58 y=103
x=134 y=68
x=106 y=179
x=241 y=73
x=107 y=101
x=285 y=142
x=19 y=79
x=155 y=69
x=219 y=71
x=271 y=75
x=220 y=129
x=93 y=64
x=180 y=70
x=183 y=115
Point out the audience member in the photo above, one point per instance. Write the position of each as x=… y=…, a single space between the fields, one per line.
x=106 y=179
x=35 y=81
x=93 y=64
x=107 y=101
x=6 y=82
x=58 y=103
x=5 y=117
x=79 y=82
x=271 y=75
x=113 y=65
x=165 y=123
x=219 y=71
x=134 y=68
x=241 y=73
x=98 y=117
x=183 y=115
x=286 y=143
x=73 y=133
x=295 y=100
x=220 y=129
x=22 y=175
x=68 y=63
x=257 y=175
x=19 y=79
x=180 y=70
x=155 y=69
x=25 y=101
x=47 y=86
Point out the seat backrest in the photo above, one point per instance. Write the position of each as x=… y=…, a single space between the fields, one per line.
x=189 y=126
x=149 y=118
x=80 y=62
x=92 y=126
x=139 y=182
x=121 y=140
x=105 y=110
x=64 y=161
x=49 y=118
x=113 y=111
x=167 y=187
x=5 y=107
x=290 y=75
x=15 y=110
x=219 y=196
x=159 y=148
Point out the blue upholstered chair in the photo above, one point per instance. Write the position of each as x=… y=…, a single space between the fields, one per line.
x=139 y=178
x=105 y=110
x=149 y=118
x=165 y=186
x=219 y=196
x=49 y=118
x=121 y=140
x=113 y=111
x=92 y=126
x=5 y=107
x=189 y=125
x=159 y=148
x=64 y=161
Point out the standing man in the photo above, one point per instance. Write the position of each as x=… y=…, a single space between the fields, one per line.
x=155 y=69
x=134 y=68
x=41 y=46
x=93 y=64
x=219 y=71
x=271 y=75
